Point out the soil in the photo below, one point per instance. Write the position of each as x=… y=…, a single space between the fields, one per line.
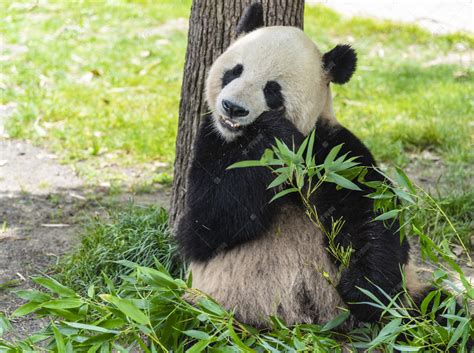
x=43 y=205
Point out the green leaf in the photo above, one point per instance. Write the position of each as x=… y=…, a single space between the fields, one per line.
x=283 y=193
x=58 y=339
x=159 y=278
x=339 y=319
x=387 y=215
x=328 y=161
x=341 y=181
x=90 y=327
x=282 y=178
x=245 y=164
x=127 y=307
x=33 y=295
x=236 y=340
x=200 y=335
x=309 y=150
x=5 y=325
x=203 y=317
x=426 y=301
x=300 y=152
x=66 y=303
x=390 y=330
x=404 y=348
x=403 y=195
x=26 y=309
x=199 y=347
x=285 y=151
x=211 y=306
x=404 y=181
x=55 y=286
x=457 y=334
x=91 y=291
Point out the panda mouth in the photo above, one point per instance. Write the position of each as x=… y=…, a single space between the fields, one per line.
x=229 y=124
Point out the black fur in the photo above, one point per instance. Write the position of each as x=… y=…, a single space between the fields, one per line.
x=378 y=254
x=273 y=95
x=340 y=63
x=251 y=19
x=228 y=207
x=232 y=74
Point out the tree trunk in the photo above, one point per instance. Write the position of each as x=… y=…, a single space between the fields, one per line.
x=211 y=29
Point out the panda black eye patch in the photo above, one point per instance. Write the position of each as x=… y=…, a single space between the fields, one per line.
x=232 y=74
x=273 y=95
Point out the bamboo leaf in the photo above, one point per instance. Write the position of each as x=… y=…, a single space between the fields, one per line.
x=33 y=295
x=26 y=309
x=283 y=193
x=341 y=181
x=309 y=150
x=245 y=164
x=66 y=303
x=55 y=286
x=331 y=156
x=127 y=307
x=339 y=319
x=404 y=180
x=199 y=347
x=282 y=178
x=387 y=215
x=59 y=339
x=211 y=306
x=200 y=335
x=5 y=325
x=301 y=149
x=90 y=327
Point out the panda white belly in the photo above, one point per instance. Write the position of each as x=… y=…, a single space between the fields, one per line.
x=279 y=273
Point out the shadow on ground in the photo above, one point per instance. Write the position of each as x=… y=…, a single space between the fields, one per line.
x=43 y=207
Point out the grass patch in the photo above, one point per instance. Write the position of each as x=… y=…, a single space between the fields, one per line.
x=143 y=308
x=137 y=234
x=96 y=77
x=104 y=78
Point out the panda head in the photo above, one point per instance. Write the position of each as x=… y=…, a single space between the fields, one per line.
x=273 y=69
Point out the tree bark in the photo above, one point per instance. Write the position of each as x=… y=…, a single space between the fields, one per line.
x=211 y=29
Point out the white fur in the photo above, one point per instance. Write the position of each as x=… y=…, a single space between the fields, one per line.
x=278 y=274
x=282 y=54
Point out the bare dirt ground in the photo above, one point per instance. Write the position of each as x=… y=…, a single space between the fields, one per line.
x=42 y=207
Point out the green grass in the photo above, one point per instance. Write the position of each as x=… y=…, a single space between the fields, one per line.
x=102 y=77
x=105 y=77
x=137 y=234
x=138 y=308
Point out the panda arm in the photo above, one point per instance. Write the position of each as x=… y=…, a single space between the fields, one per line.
x=228 y=207
x=378 y=253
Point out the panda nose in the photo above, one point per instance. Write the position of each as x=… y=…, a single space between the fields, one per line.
x=233 y=110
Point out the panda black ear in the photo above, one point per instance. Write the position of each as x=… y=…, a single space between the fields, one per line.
x=251 y=19
x=340 y=63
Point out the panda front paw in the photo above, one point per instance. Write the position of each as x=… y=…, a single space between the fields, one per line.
x=349 y=288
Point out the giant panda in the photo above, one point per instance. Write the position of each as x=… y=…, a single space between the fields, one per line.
x=260 y=258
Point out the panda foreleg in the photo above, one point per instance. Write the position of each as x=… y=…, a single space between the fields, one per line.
x=374 y=267
x=225 y=207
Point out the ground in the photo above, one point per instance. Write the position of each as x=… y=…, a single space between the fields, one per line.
x=89 y=103
x=42 y=206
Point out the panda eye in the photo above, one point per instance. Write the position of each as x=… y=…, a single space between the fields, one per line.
x=273 y=95
x=232 y=74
